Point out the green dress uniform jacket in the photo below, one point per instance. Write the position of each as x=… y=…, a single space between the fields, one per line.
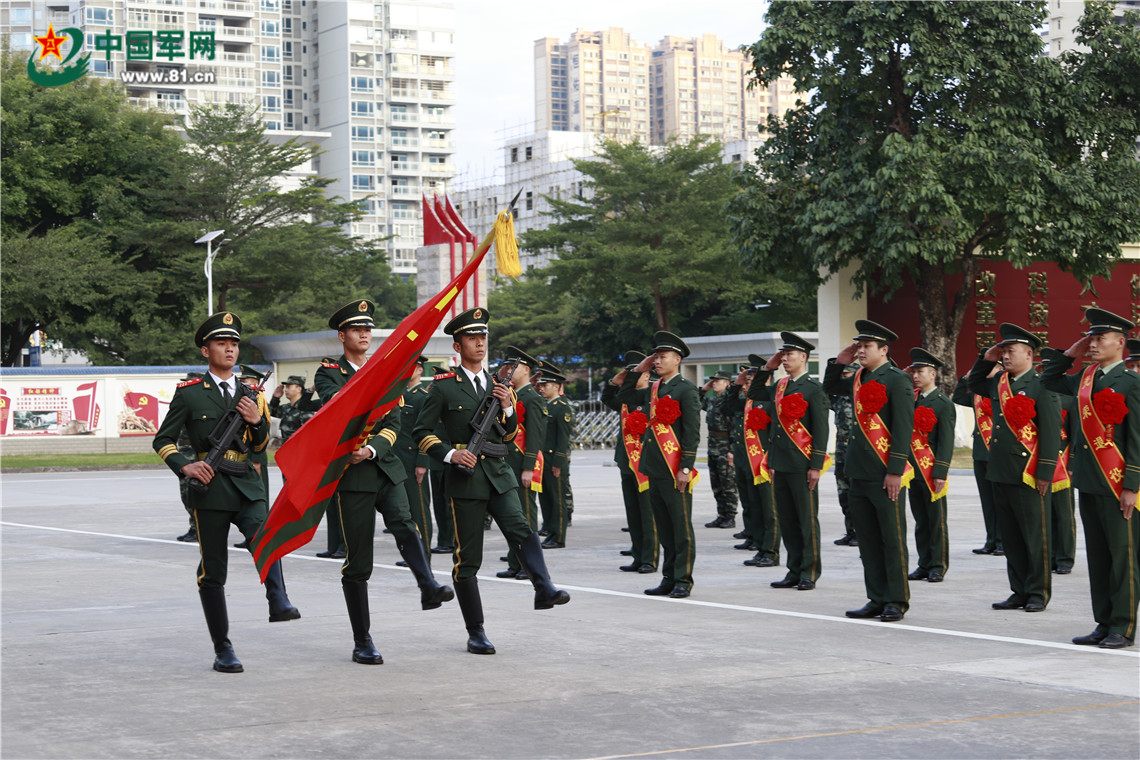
x=1111 y=543
x=898 y=416
x=963 y=396
x=198 y=406
x=536 y=420
x=687 y=426
x=757 y=502
x=942 y=436
x=410 y=456
x=556 y=448
x=783 y=454
x=1007 y=456
x=638 y=513
x=930 y=533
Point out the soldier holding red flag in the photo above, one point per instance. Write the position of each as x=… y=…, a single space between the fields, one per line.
x=1023 y=462
x=877 y=465
x=931 y=446
x=1106 y=470
x=797 y=454
x=373 y=480
x=668 y=453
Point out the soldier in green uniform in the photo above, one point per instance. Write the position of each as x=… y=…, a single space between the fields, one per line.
x=963 y=396
x=797 y=451
x=722 y=479
x=372 y=482
x=556 y=452
x=259 y=460
x=668 y=453
x=844 y=412
x=298 y=406
x=1132 y=360
x=186 y=450
x=415 y=461
x=930 y=454
x=1063 y=508
x=757 y=500
x=1106 y=470
x=524 y=450
x=439 y=503
x=198 y=406
x=877 y=453
x=1027 y=425
x=567 y=490
x=638 y=513
x=491 y=486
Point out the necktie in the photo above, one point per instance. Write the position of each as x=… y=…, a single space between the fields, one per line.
x=478 y=386
x=226 y=393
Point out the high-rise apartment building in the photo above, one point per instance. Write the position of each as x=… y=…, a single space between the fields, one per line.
x=370 y=82
x=608 y=83
x=1060 y=31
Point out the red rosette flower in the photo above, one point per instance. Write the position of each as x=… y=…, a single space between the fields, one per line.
x=758 y=419
x=987 y=407
x=1110 y=406
x=924 y=419
x=520 y=410
x=636 y=423
x=873 y=396
x=1019 y=411
x=666 y=411
x=793 y=406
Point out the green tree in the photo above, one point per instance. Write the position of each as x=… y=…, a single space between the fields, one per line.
x=648 y=249
x=936 y=134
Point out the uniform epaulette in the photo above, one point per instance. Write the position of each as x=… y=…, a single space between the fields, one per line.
x=329 y=363
x=193 y=381
x=444 y=376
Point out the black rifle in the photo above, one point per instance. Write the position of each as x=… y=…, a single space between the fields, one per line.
x=485 y=420
x=227 y=435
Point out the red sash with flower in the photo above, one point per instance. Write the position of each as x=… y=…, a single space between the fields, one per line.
x=520 y=441
x=1061 y=474
x=1019 y=412
x=662 y=414
x=924 y=421
x=869 y=401
x=756 y=419
x=984 y=416
x=633 y=426
x=790 y=411
x=1100 y=414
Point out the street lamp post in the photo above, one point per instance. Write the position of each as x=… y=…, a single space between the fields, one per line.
x=211 y=252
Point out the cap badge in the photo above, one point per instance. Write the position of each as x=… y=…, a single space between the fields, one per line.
x=363 y=306
x=478 y=314
x=228 y=319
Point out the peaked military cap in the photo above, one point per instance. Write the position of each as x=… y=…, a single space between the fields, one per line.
x=869 y=330
x=1133 y=349
x=353 y=314
x=545 y=365
x=471 y=322
x=1101 y=321
x=667 y=341
x=524 y=358
x=1011 y=334
x=440 y=370
x=793 y=342
x=920 y=357
x=550 y=376
x=250 y=373
x=720 y=374
x=224 y=324
x=192 y=376
x=295 y=380
x=756 y=361
x=1048 y=353
x=632 y=359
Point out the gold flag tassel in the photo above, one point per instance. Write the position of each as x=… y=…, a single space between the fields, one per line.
x=506 y=247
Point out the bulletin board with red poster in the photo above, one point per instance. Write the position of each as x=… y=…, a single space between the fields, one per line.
x=1041 y=298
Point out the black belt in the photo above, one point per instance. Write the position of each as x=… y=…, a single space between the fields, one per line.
x=718 y=434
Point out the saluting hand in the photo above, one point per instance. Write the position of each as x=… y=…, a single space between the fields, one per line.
x=993 y=354
x=847 y=355
x=646 y=364
x=742 y=377
x=775 y=362
x=279 y=391
x=1079 y=349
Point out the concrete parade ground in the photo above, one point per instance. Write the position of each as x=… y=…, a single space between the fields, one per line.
x=105 y=652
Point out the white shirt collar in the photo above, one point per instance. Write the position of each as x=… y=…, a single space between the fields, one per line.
x=231 y=382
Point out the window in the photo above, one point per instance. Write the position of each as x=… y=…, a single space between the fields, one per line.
x=361 y=132
x=363 y=108
x=529 y=201
x=529 y=153
x=271 y=53
x=270 y=78
x=363 y=158
x=100 y=16
x=363 y=182
x=271 y=104
x=514 y=155
x=272 y=6
x=20 y=17
x=361 y=84
x=270 y=29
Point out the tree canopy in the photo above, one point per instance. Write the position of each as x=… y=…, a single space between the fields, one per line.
x=934 y=134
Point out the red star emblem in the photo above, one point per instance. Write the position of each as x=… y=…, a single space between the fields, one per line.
x=50 y=44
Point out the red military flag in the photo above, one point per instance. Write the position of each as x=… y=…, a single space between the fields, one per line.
x=315 y=457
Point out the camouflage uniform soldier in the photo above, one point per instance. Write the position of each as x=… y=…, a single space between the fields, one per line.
x=844 y=418
x=721 y=475
x=298 y=407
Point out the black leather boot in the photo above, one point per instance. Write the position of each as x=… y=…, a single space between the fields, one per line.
x=432 y=594
x=534 y=564
x=218 y=623
x=471 y=605
x=356 y=600
x=280 y=608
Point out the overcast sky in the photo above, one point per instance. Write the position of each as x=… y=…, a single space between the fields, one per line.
x=494 y=60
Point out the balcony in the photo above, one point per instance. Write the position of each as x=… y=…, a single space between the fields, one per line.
x=242 y=8
x=405 y=167
x=242 y=33
x=405 y=190
x=440 y=168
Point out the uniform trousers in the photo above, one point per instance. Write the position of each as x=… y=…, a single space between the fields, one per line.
x=673 y=513
x=1025 y=522
x=639 y=517
x=880 y=525
x=930 y=535
x=1111 y=544
x=989 y=508
x=528 y=499
x=553 y=500
x=798 y=510
x=357 y=512
x=419 y=506
x=758 y=511
x=442 y=508
x=468 y=515
x=1064 y=537
x=213 y=527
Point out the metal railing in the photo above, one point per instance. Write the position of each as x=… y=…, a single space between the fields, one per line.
x=596 y=426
